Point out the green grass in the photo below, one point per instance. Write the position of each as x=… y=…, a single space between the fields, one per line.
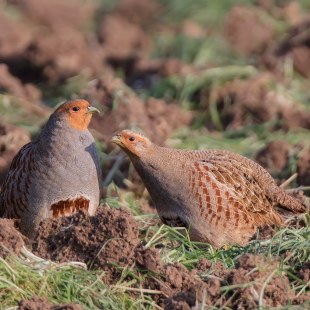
x=60 y=285
x=206 y=12
x=21 y=113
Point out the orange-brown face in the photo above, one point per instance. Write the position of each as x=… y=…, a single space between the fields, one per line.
x=77 y=112
x=131 y=142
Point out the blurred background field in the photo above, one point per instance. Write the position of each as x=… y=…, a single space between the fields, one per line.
x=190 y=74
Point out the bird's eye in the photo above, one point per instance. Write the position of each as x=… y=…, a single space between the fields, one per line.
x=132 y=139
x=75 y=109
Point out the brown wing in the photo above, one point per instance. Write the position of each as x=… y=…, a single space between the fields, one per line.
x=262 y=177
x=227 y=189
x=15 y=189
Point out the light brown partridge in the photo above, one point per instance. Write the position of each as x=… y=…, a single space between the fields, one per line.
x=57 y=174
x=222 y=197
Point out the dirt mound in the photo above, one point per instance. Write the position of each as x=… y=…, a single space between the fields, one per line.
x=40 y=303
x=274 y=156
x=247 y=102
x=71 y=13
x=11 y=240
x=303 y=167
x=124 y=109
x=74 y=37
x=256 y=270
x=248 y=30
x=304 y=272
x=135 y=42
x=183 y=289
x=53 y=47
x=12 y=85
x=215 y=268
x=143 y=12
x=148 y=259
x=14 y=37
x=136 y=17
x=108 y=237
x=297 y=43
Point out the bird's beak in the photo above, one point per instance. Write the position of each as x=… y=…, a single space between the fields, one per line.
x=116 y=139
x=92 y=110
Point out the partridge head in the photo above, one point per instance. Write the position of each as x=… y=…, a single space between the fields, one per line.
x=56 y=174
x=222 y=197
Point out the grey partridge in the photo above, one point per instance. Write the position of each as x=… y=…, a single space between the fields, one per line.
x=57 y=174
x=222 y=197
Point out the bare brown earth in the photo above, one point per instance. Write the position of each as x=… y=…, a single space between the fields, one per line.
x=40 y=303
x=123 y=108
x=303 y=167
x=275 y=156
x=14 y=86
x=245 y=102
x=183 y=289
x=109 y=237
x=247 y=30
x=11 y=240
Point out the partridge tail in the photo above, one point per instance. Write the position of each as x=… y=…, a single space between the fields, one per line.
x=290 y=203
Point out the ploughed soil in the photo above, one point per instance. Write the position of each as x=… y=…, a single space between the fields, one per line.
x=110 y=237
x=11 y=240
x=208 y=281
x=40 y=303
x=110 y=241
x=37 y=303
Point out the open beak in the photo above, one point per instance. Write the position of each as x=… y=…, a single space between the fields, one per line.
x=92 y=110
x=116 y=139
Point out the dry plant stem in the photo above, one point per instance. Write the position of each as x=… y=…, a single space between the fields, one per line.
x=289 y=180
x=119 y=160
x=44 y=264
x=300 y=188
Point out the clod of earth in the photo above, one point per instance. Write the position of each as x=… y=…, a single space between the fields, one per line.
x=109 y=237
x=183 y=289
x=37 y=303
x=11 y=240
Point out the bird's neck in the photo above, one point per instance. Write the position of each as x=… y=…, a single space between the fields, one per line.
x=153 y=159
x=164 y=174
x=58 y=130
x=157 y=166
